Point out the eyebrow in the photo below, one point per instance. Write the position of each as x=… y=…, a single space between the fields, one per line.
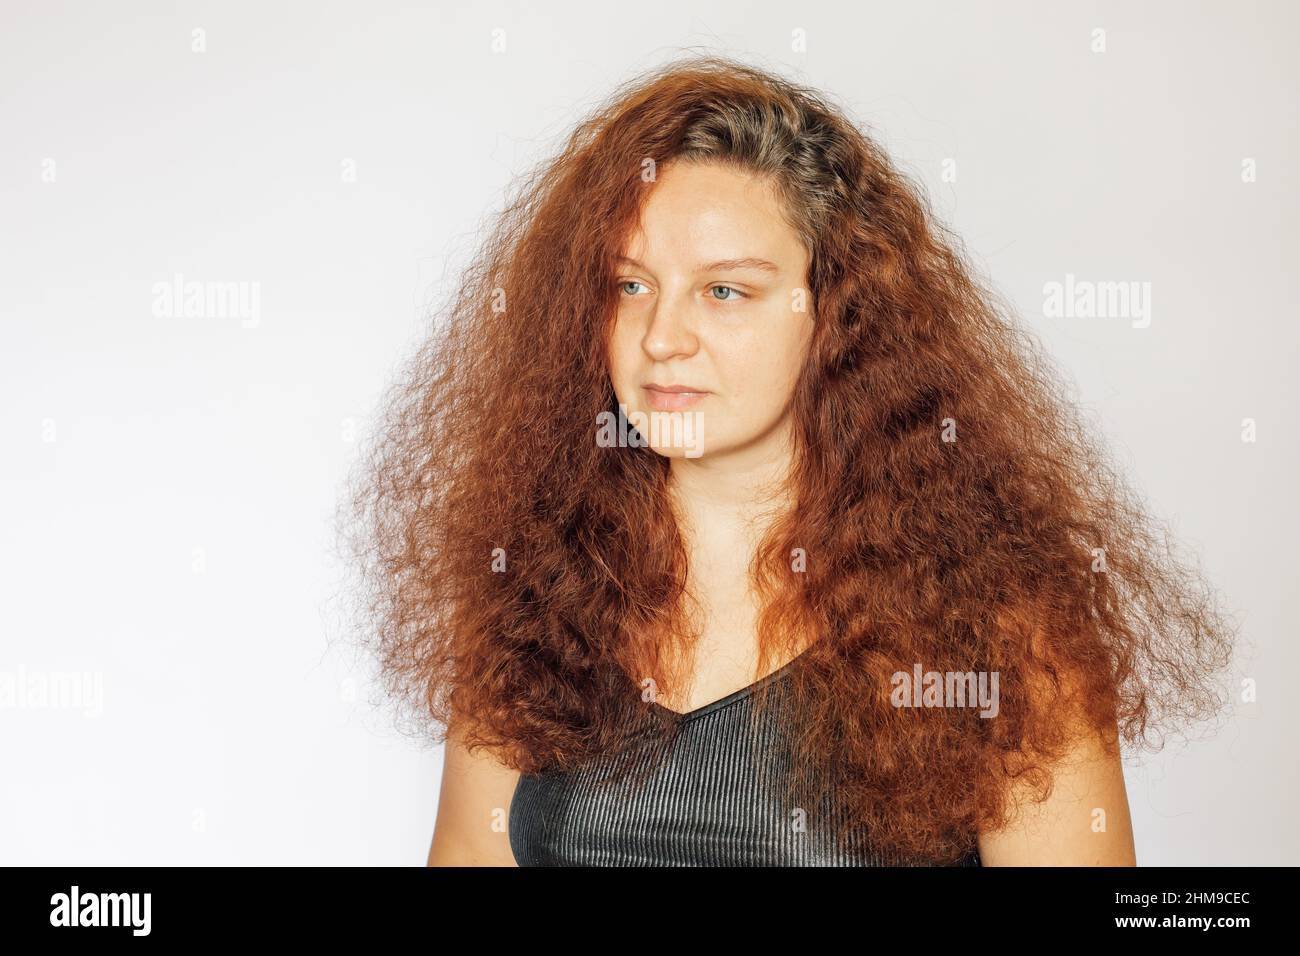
x=722 y=265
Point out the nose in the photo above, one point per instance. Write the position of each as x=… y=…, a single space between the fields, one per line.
x=669 y=334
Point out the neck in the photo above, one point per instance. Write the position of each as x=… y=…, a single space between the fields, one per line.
x=722 y=499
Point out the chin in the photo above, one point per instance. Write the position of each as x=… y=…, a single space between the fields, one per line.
x=674 y=451
x=678 y=434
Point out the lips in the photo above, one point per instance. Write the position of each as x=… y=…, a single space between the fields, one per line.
x=672 y=398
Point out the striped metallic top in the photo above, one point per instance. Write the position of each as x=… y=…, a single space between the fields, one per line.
x=703 y=804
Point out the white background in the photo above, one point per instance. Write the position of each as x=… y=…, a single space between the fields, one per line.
x=169 y=483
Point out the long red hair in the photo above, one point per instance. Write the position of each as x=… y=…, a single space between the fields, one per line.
x=522 y=576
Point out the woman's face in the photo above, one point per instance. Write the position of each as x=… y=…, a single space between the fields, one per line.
x=712 y=294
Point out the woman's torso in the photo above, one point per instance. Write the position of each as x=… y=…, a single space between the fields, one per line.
x=710 y=802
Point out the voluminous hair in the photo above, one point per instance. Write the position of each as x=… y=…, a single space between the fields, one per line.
x=521 y=579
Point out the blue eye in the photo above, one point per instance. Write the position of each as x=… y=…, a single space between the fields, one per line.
x=727 y=298
x=623 y=285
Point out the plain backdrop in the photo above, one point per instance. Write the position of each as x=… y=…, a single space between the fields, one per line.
x=170 y=480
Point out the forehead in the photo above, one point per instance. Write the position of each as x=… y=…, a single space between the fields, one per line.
x=700 y=212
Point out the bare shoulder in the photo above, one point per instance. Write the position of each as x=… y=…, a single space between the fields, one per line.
x=1083 y=822
x=472 y=826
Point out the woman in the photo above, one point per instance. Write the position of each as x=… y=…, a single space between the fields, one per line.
x=725 y=521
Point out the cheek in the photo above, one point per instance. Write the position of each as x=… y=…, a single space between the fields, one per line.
x=761 y=389
x=762 y=370
x=620 y=356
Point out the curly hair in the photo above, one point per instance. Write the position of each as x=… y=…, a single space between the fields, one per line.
x=950 y=508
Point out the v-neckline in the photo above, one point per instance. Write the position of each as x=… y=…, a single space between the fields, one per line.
x=735 y=695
